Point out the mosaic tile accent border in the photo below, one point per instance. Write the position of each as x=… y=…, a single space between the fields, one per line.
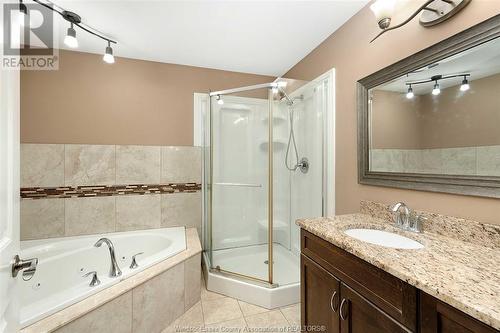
x=106 y=190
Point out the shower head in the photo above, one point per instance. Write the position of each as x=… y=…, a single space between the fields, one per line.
x=285 y=97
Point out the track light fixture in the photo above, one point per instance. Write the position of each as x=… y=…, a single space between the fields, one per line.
x=437 y=88
x=70 y=39
x=75 y=20
x=219 y=99
x=465 y=85
x=433 y=12
x=108 y=55
x=410 y=93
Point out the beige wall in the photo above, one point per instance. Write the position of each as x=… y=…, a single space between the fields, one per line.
x=451 y=120
x=131 y=102
x=350 y=52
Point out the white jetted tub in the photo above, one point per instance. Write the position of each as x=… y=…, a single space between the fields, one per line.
x=59 y=282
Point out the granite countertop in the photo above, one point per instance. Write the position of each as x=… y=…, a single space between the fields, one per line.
x=465 y=275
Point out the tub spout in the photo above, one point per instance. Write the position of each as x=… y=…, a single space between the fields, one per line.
x=114 y=271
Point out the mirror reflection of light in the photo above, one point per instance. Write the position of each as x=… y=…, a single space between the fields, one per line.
x=239 y=120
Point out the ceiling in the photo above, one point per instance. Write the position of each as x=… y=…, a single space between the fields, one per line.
x=481 y=61
x=261 y=37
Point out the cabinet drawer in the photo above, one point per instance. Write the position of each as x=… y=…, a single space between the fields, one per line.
x=395 y=297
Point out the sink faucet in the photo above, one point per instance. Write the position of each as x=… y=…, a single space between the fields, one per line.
x=405 y=218
x=401 y=214
x=114 y=271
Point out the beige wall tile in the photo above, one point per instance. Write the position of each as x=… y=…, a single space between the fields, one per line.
x=86 y=216
x=42 y=218
x=192 y=281
x=181 y=209
x=113 y=316
x=42 y=165
x=488 y=161
x=159 y=301
x=89 y=165
x=136 y=212
x=138 y=164
x=181 y=164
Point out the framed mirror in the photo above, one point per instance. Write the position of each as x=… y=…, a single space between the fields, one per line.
x=432 y=121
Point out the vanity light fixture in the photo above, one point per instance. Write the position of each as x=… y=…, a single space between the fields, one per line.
x=70 y=39
x=75 y=20
x=433 y=12
x=437 y=88
x=410 y=93
x=219 y=99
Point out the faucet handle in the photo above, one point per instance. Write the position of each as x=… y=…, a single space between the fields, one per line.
x=95 y=280
x=134 y=264
x=416 y=223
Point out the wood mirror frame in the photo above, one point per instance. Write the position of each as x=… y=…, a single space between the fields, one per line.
x=484 y=186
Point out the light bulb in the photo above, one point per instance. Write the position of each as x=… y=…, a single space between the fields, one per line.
x=383 y=10
x=410 y=93
x=70 y=39
x=108 y=55
x=436 y=91
x=465 y=85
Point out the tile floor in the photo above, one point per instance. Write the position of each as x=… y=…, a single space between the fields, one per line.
x=219 y=313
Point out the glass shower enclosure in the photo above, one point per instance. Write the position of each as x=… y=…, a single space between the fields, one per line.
x=263 y=168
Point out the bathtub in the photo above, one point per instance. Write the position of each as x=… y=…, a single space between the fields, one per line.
x=59 y=282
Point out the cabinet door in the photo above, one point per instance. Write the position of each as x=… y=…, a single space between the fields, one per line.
x=320 y=297
x=358 y=315
x=438 y=317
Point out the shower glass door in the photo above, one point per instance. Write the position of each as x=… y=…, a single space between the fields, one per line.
x=239 y=181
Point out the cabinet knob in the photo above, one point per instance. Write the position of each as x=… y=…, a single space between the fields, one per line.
x=341 y=312
x=332 y=300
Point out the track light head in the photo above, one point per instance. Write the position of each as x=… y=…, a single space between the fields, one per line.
x=410 y=93
x=465 y=85
x=70 y=39
x=437 y=90
x=219 y=99
x=108 y=54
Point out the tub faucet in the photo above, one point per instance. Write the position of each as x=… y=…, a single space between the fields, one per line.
x=114 y=271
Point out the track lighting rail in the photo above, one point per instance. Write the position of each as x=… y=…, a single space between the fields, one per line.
x=72 y=18
x=437 y=78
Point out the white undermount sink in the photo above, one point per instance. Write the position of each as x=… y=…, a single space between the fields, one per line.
x=384 y=238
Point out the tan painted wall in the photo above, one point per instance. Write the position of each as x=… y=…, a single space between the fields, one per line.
x=350 y=52
x=130 y=102
x=451 y=120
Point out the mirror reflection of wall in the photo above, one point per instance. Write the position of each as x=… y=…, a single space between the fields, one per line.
x=441 y=119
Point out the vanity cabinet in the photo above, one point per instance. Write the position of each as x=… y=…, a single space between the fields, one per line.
x=345 y=294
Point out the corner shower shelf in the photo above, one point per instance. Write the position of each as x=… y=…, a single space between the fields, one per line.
x=277 y=120
x=277 y=224
x=277 y=144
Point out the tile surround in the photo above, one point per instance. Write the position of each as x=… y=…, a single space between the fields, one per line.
x=89 y=165
x=88 y=189
x=89 y=216
x=42 y=165
x=483 y=161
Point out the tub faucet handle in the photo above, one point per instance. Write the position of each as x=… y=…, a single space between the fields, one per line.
x=95 y=280
x=134 y=264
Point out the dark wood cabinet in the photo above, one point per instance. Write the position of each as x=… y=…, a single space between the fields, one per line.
x=358 y=315
x=320 y=297
x=439 y=317
x=343 y=293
